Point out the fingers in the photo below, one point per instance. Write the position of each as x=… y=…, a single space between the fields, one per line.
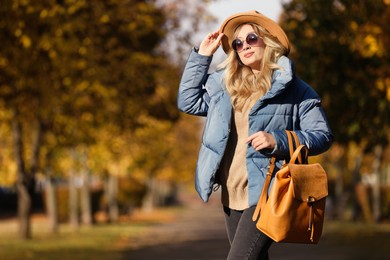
x=214 y=37
x=262 y=140
x=258 y=143
x=215 y=34
x=210 y=44
x=257 y=136
x=219 y=38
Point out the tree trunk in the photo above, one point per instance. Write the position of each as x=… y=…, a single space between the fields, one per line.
x=387 y=174
x=148 y=201
x=362 y=196
x=73 y=201
x=358 y=205
x=376 y=188
x=24 y=199
x=339 y=188
x=85 y=199
x=51 y=198
x=24 y=211
x=51 y=205
x=112 y=193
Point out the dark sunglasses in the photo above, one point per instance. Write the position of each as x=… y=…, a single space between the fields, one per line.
x=251 y=39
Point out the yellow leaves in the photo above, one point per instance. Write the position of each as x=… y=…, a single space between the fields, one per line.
x=18 y=32
x=5 y=90
x=144 y=19
x=82 y=50
x=52 y=54
x=82 y=86
x=59 y=32
x=111 y=152
x=384 y=85
x=54 y=10
x=75 y=101
x=67 y=81
x=87 y=116
x=26 y=41
x=23 y=38
x=309 y=33
x=372 y=46
x=44 y=13
x=152 y=143
x=293 y=24
x=7 y=172
x=7 y=164
x=45 y=44
x=354 y=26
x=368 y=41
x=105 y=18
x=102 y=90
x=24 y=2
x=3 y=61
x=153 y=131
x=19 y=3
x=81 y=64
x=132 y=26
x=75 y=6
x=87 y=41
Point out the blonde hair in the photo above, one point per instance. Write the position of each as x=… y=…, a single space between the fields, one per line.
x=240 y=81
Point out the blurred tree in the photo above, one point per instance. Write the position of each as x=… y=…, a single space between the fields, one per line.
x=73 y=69
x=339 y=47
x=185 y=19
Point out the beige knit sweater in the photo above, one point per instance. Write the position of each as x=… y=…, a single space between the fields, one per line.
x=233 y=173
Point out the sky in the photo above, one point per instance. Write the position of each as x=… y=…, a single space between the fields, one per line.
x=224 y=8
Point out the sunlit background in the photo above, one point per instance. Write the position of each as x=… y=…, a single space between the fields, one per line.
x=90 y=135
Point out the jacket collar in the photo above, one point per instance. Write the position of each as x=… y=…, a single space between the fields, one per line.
x=281 y=79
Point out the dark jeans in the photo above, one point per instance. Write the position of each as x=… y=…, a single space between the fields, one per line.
x=246 y=241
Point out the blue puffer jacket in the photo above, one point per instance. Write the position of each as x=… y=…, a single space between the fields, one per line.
x=290 y=104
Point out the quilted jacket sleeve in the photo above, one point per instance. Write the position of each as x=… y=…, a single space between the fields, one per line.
x=310 y=123
x=314 y=132
x=192 y=96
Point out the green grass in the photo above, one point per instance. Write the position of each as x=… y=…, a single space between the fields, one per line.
x=114 y=241
x=101 y=241
x=359 y=234
x=364 y=241
x=97 y=242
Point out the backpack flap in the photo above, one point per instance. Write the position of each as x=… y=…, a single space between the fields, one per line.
x=309 y=181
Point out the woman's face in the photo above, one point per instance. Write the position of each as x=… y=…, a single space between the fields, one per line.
x=251 y=54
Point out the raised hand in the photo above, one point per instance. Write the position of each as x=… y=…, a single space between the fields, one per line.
x=210 y=44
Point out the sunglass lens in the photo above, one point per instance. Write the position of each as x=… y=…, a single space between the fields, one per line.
x=252 y=39
x=237 y=45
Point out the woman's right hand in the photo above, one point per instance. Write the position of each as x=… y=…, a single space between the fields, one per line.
x=210 y=44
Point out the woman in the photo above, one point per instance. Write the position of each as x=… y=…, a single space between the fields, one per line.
x=249 y=102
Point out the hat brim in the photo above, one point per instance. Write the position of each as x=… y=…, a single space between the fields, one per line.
x=229 y=26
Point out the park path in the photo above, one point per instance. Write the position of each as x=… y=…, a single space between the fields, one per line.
x=198 y=233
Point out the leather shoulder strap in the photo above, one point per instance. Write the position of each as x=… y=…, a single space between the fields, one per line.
x=264 y=191
x=297 y=154
x=290 y=143
x=296 y=140
x=293 y=143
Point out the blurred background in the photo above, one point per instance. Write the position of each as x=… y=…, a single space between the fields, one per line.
x=89 y=128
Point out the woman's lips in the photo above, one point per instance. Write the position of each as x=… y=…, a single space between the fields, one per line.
x=247 y=55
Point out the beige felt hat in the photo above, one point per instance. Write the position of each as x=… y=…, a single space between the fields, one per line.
x=231 y=23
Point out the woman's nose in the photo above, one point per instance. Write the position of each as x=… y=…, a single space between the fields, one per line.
x=246 y=46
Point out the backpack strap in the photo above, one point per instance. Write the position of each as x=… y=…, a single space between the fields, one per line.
x=264 y=192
